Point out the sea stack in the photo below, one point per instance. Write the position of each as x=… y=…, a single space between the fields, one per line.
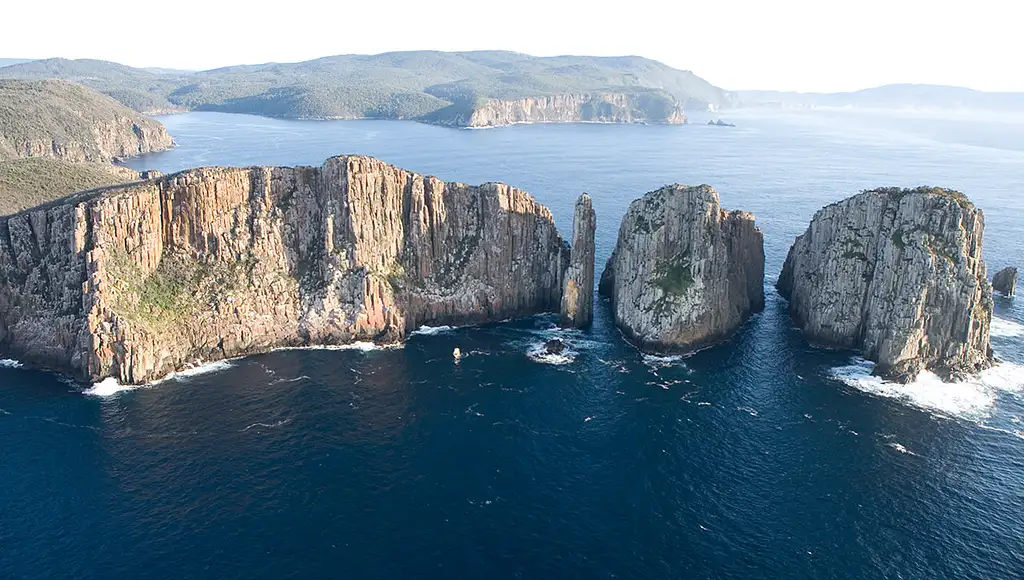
x=684 y=273
x=898 y=275
x=1005 y=281
x=136 y=281
x=578 y=287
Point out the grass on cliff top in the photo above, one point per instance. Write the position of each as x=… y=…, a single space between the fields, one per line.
x=26 y=183
x=899 y=193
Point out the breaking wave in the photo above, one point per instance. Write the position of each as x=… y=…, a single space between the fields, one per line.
x=362 y=346
x=1005 y=328
x=431 y=330
x=971 y=399
x=539 y=353
x=108 y=387
x=7 y=363
x=200 y=369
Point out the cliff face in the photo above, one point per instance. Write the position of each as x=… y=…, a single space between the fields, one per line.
x=566 y=108
x=137 y=281
x=70 y=122
x=578 y=287
x=1005 y=281
x=898 y=275
x=684 y=273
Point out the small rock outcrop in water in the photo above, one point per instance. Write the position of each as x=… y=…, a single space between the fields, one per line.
x=578 y=288
x=136 y=281
x=1005 y=281
x=898 y=275
x=554 y=346
x=684 y=273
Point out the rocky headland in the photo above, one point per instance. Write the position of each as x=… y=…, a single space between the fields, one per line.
x=684 y=273
x=897 y=275
x=564 y=108
x=577 y=310
x=137 y=281
x=70 y=122
x=1005 y=281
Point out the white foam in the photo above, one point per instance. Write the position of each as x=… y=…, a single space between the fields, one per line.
x=7 y=363
x=108 y=387
x=1005 y=328
x=197 y=370
x=971 y=399
x=432 y=330
x=539 y=353
x=362 y=346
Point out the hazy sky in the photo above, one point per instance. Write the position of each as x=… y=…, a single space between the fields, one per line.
x=807 y=45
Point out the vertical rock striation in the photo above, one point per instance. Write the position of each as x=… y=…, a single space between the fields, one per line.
x=684 y=273
x=605 y=107
x=137 y=281
x=1005 y=281
x=578 y=286
x=898 y=275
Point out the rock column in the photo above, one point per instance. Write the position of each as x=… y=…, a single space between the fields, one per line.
x=578 y=287
x=1005 y=281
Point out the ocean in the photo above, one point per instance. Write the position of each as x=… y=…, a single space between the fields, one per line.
x=759 y=458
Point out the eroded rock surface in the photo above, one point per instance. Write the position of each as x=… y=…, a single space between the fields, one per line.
x=137 y=281
x=578 y=288
x=642 y=107
x=684 y=273
x=1005 y=281
x=898 y=275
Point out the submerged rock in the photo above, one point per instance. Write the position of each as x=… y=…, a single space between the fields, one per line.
x=1005 y=281
x=132 y=282
x=684 y=273
x=554 y=346
x=898 y=275
x=578 y=287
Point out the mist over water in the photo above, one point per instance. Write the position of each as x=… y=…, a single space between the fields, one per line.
x=759 y=458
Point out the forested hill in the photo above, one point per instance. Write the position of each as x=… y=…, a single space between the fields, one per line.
x=407 y=85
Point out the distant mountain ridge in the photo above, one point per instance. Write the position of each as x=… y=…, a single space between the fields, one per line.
x=897 y=96
x=407 y=85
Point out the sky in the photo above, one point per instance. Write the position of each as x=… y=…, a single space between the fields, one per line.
x=801 y=45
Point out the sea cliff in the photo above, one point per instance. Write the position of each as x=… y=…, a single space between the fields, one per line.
x=898 y=275
x=137 y=281
x=684 y=273
x=565 y=108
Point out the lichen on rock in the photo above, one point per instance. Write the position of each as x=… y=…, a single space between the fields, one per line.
x=898 y=275
x=684 y=273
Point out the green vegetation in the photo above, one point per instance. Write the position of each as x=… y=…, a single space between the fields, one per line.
x=32 y=181
x=392 y=85
x=898 y=194
x=674 y=276
x=63 y=119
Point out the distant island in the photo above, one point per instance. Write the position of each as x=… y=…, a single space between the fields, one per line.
x=721 y=123
x=899 y=96
x=461 y=89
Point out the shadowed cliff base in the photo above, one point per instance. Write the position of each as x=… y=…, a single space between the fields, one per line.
x=137 y=281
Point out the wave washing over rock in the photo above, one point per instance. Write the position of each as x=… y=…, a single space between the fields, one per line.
x=898 y=275
x=134 y=282
x=970 y=399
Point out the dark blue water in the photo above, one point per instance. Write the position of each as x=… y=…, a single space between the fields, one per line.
x=748 y=460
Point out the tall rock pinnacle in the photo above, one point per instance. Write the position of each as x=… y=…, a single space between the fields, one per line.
x=578 y=287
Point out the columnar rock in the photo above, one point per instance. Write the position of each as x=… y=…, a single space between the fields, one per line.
x=606 y=107
x=898 y=275
x=1005 y=281
x=578 y=286
x=684 y=273
x=137 y=281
